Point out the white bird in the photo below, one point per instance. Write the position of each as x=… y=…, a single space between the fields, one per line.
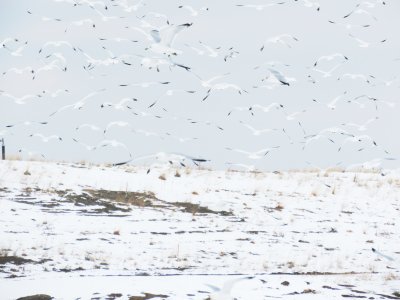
x=355 y=76
x=361 y=127
x=329 y=72
x=145 y=84
x=27 y=123
x=114 y=144
x=120 y=105
x=360 y=11
x=18 y=51
x=382 y=255
x=266 y=108
x=212 y=51
x=90 y=126
x=192 y=11
x=256 y=154
x=224 y=292
x=19 y=100
x=257 y=131
x=330 y=58
x=259 y=7
x=281 y=39
x=46 y=139
x=163 y=39
x=79 y=104
x=128 y=7
x=57 y=44
x=280 y=77
x=116 y=123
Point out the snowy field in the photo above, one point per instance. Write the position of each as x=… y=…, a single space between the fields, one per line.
x=74 y=231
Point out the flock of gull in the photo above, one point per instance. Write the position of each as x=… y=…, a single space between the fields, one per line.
x=172 y=83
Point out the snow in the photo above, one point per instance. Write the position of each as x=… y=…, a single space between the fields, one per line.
x=313 y=229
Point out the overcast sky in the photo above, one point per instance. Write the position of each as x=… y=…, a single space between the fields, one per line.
x=223 y=39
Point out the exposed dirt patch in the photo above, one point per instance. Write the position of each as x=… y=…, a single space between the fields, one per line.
x=36 y=297
x=198 y=209
x=16 y=260
x=147 y=296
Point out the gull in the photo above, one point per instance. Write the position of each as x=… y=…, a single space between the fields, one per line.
x=373 y=99
x=181 y=139
x=120 y=105
x=330 y=57
x=116 y=123
x=27 y=123
x=118 y=40
x=46 y=138
x=355 y=76
x=332 y=104
x=272 y=63
x=19 y=71
x=53 y=65
x=8 y=40
x=386 y=82
x=105 y=18
x=361 y=127
x=31 y=153
x=56 y=93
x=256 y=154
x=292 y=116
x=127 y=7
x=266 y=108
x=88 y=147
x=211 y=50
x=114 y=144
x=357 y=139
x=308 y=3
x=57 y=44
x=90 y=126
x=241 y=109
x=360 y=11
x=197 y=50
x=192 y=11
x=145 y=132
x=259 y=7
x=81 y=23
x=224 y=292
x=156 y=62
x=207 y=83
x=224 y=86
x=349 y=26
x=171 y=157
x=280 y=77
x=312 y=137
x=281 y=39
x=329 y=72
x=163 y=39
x=362 y=43
x=257 y=131
x=79 y=104
x=18 y=51
x=145 y=84
x=19 y=100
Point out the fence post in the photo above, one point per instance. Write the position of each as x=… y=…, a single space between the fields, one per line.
x=3 y=149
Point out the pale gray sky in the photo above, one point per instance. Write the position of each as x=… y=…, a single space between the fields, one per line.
x=221 y=26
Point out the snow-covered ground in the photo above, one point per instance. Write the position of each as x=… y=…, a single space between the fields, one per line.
x=88 y=231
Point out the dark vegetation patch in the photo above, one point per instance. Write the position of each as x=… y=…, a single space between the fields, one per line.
x=36 y=297
x=198 y=209
x=16 y=260
x=93 y=202
x=147 y=296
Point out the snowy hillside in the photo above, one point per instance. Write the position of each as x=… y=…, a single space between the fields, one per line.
x=99 y=232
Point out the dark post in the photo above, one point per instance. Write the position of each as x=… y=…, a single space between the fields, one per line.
x=3 y=150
